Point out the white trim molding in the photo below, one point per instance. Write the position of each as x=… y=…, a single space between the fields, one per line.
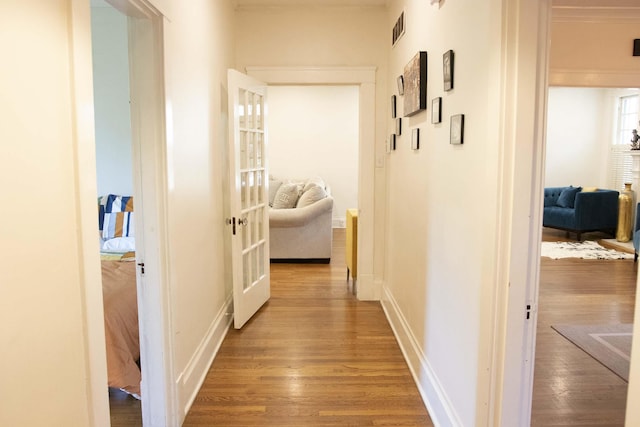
x=440 y=409
x=593 y=78
x=192 y=378
x=365 y=78
x=313 y=75
x=596 y=15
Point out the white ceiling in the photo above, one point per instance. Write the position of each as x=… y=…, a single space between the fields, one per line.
x=597 y=3
x=379 y=3
x=289 y=3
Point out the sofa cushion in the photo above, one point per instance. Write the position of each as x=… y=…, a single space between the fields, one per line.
x=313 y=182
x=567 y=197
x=287 y=196
x=274 y=185
x=310 y=196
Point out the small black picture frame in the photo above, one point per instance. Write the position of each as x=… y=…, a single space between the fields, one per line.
x=393 y=107
x=400 y=81
x=456 y=131
x=398 y=126
x=415 y=139
x=436 y=110
x=447 y=70
x=392 y=141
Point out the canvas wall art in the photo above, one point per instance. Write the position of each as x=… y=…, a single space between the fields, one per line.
x=415 y=84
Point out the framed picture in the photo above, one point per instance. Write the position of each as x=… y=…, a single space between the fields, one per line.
x=392 y=142
x=415 y=84
x=447 y=70
x=400 y=81
x=457 y=129
x=415 y=139
x=393 y=107
x=398 y=126
x=436 y=110
x=398 y=29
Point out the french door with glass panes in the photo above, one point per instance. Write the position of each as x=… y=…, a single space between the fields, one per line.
x=248 y=221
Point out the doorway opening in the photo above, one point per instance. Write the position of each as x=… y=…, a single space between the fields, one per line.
x=143 y=40
x=364 y=79
x=313 y=131
x=575 y=295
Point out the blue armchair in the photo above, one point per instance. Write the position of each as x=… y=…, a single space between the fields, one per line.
x=577 y=211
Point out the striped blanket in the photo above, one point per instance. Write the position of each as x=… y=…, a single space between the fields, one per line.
x=116 y=216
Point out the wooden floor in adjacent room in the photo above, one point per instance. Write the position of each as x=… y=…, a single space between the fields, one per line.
x=570 y=387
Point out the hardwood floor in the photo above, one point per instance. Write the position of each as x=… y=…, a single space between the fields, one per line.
x=313 y=355
x=125 y=409
x=570 y=387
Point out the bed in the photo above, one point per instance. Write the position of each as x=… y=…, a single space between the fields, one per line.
x=117 y=253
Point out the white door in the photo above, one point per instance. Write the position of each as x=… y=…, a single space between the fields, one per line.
x=248 y=221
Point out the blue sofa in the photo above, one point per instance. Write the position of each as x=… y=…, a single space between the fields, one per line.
x=577 y=211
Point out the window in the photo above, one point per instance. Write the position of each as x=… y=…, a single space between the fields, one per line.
x=626 y=121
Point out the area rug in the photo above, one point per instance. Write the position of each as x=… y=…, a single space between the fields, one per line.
x=608 y=344
x=586 y=250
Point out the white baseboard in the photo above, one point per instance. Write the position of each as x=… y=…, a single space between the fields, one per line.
x=339 y=222
x=434 y=397
x=190 y=380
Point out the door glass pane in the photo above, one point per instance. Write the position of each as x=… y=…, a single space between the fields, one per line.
x=259 y=224
x=246 y=269
x=245 y=236
x=243 y=149
x=261 y=261
x=243 y=190
x=260 y=187
x=251 y=188
x=250 y=110
x=259 y=111
x=254 y=266
x=251 y=149
x=242 y=108
x=259 y=149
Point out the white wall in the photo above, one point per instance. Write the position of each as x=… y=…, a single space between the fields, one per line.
x=43 y=282
x=442 y=208
x=579 y=133
x=332 y=36
x=198 y=52
x=313 y=130
x=55 y=356
x=111 y=94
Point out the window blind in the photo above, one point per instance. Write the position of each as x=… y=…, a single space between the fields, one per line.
x=620 y=160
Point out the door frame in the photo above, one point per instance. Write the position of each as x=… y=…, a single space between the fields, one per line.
x=522 y=107
x=159 y=404
x=365 y=79
x=148 y=128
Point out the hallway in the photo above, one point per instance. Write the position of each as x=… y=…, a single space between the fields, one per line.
x=313 y=355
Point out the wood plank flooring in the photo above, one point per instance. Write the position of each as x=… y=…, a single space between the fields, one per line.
x=570 y=387
x=314 y=355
